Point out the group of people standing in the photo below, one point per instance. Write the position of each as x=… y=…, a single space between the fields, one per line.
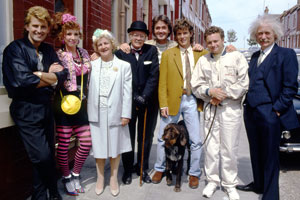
x=126 y=88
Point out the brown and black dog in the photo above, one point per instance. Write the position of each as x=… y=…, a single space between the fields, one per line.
x=176 y=140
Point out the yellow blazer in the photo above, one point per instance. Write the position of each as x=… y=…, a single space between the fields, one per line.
x=171 y=79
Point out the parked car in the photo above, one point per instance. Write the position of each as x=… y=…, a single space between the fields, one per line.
x=248 y=53
x=290 y=140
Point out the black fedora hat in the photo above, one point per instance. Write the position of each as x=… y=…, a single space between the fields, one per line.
x=138 y=26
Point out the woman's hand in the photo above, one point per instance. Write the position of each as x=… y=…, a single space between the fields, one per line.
x=124 y=121
x=94 y=56
x=55 y=67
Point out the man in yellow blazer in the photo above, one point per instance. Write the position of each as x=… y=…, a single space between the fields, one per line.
x=175 y=98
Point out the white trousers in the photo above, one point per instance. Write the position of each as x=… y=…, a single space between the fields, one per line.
x=221 y=147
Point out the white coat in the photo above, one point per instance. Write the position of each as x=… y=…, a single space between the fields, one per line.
x=109 y=137
x=120 y=95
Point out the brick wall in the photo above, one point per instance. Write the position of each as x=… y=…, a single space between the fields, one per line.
x=16 y=169
x=19 y=11
x=96 y=14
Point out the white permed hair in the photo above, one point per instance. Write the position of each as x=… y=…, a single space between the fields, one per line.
x=266 y=19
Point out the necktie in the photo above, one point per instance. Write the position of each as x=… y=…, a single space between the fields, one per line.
x=136 y=51
x=187 y=74
x=260 y=58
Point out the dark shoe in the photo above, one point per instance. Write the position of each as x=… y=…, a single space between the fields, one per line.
x=157 y=177
x=127 y=178
x=193 y=182
x=146 y=178
x=55 y=197
x=249 y=188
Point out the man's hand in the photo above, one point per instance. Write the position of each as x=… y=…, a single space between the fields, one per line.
x=217 y=93
x=125 y=48
x=230 y=48
x=198 y=47
x=140 y=101
x=124 y=121
x=94 y=56
x=215 y=101
x=55 y=67
x=164 y=112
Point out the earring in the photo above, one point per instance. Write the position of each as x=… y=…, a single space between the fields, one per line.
x=63 y=41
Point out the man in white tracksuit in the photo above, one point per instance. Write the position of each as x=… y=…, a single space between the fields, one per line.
x=221 y=80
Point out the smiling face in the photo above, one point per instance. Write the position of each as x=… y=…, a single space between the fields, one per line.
x=137 y=38
x=265 y=36
x=105 y=48
x=183 y=37
x=161 y=32
x=37 y=31
x=215 y=43
x=71 y=38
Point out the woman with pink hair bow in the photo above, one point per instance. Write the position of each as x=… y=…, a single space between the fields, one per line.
x=77 y=61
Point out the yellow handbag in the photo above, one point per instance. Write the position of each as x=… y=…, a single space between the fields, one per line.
x=70 y=104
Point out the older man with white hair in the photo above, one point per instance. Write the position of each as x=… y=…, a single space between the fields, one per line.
x=269 y=104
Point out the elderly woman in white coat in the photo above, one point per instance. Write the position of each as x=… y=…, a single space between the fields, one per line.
x=109 y=108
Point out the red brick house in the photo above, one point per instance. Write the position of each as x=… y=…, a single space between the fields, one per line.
x=114 y=15
x=291 y=24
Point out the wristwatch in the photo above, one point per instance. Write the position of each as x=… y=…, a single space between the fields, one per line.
x=39 y=74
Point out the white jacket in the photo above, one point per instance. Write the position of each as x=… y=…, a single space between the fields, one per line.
x=120 y=95
x=229 y=72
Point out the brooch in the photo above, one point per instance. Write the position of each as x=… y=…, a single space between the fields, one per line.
x=115 y=69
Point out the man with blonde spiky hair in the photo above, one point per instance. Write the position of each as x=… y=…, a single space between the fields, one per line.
x=30 y=73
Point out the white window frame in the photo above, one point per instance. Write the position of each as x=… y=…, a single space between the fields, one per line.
x=6 y=36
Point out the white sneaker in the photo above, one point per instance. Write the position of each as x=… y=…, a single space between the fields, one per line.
x=232 y=193
x=209 y=189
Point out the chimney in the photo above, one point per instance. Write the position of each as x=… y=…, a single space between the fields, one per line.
x=266 y=11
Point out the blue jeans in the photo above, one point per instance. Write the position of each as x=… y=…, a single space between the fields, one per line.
x=191 y=117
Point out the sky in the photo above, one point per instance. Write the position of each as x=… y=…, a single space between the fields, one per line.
x=239 y=14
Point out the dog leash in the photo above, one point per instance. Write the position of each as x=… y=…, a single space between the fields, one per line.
x=212 y=122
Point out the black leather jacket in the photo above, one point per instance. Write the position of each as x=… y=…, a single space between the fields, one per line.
x=19 y=62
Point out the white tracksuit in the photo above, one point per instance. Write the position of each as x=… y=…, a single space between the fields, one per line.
x=228 y=71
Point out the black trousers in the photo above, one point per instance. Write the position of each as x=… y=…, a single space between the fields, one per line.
x=36 y=127
x=137 y=118
x=263 y=131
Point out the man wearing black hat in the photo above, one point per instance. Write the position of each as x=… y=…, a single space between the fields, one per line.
x=145 y=72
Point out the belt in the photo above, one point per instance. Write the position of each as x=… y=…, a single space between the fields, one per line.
x=184 y=92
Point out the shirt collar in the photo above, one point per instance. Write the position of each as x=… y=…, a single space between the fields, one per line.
x=219 y=55
x=189 y=49
x=268 y=49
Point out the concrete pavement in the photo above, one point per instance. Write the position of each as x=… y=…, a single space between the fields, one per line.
x=160 y=191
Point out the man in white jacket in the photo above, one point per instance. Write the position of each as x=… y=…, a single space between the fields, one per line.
x=221 y=80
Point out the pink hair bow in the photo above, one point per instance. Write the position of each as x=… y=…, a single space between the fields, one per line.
x=68 y=18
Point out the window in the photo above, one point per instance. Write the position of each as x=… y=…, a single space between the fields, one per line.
x=59 y=6
x=6 y=32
